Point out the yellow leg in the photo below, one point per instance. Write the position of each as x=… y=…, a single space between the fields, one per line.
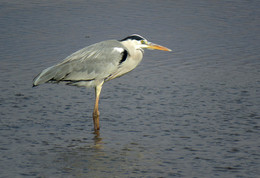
x=96 y=112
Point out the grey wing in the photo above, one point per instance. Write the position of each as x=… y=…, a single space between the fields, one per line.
x=88 y=66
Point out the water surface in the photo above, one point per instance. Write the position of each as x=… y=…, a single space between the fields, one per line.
x=190 y=113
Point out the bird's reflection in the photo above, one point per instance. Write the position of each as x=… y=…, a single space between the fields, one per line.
x=98 y=144
x=86 y=155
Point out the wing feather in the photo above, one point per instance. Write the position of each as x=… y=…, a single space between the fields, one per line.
x=95 y=62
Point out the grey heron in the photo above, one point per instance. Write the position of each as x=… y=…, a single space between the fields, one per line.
x=98 y=63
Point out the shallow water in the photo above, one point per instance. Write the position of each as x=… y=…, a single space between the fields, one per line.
x=190 y=113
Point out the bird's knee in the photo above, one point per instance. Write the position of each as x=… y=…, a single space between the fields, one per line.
x=96 y=114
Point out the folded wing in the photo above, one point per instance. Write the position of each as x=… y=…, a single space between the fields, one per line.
x=87 y=66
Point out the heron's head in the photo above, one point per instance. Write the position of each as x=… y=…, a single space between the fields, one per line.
x=141 y=43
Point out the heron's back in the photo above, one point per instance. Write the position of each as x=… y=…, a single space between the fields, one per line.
x=86 y=67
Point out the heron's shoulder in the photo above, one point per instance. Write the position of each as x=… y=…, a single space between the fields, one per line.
x=99 y=50
x=108 y=47
x=110 y=44
x=103 y=46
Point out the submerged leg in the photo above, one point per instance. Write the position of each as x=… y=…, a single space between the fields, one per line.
x=96 y=112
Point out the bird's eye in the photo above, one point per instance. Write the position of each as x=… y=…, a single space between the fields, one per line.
x=143 y=41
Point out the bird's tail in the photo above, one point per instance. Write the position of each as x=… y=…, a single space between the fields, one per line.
x=45 y=76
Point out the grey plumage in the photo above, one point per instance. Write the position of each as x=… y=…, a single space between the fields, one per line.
x=98 y=63
x=87 y=66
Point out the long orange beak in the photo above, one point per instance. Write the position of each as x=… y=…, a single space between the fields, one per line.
x=158 y=47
